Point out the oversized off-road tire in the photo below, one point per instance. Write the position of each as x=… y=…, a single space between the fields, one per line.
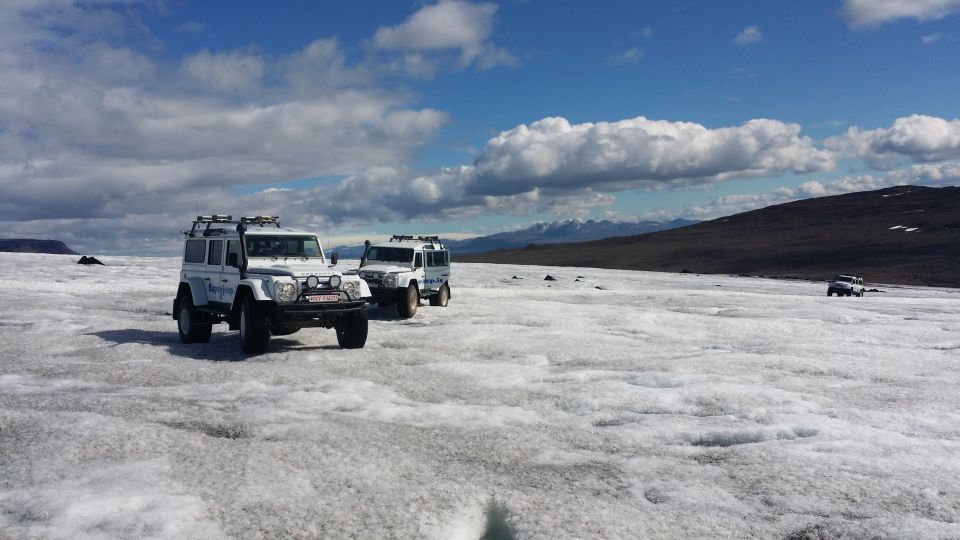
x=407 y=302
x=352 y=330
x=189 y=324
x=254 y=334
x=442 y=297
x=830 y=292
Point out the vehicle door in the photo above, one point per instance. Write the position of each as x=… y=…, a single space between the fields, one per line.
x=418 y=268
x=212 y=270
x=437 y=271
x=230 y=272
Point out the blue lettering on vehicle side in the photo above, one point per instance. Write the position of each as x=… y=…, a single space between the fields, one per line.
x=220 y=290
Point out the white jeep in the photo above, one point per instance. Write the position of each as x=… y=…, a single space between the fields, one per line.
x=844 y=285
x=264 y=280
x=405 y=270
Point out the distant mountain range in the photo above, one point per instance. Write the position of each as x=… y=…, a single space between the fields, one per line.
x=30 y=245
x=542 y=233
x=904 y=234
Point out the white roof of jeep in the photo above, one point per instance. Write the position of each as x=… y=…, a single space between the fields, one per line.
x=415 y=242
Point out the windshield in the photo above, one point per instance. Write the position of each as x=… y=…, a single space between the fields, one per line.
x=393 y=254
x=845 y=279
x=282 y=246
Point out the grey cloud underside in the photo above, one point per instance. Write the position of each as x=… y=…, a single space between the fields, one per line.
x=552 y=164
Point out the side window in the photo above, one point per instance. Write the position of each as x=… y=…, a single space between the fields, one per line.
x=446 y=258
x=194 y=251
x=216 y=253
x=418 y=260
x=430 y=259
x=233 y=248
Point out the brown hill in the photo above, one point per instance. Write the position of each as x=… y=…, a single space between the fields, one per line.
x=30 y=245
x=904 y=234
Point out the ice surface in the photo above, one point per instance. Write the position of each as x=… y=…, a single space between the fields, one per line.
x=657 y=405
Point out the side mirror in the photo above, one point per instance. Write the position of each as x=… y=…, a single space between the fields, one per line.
x=233 y=259
x=334 y=257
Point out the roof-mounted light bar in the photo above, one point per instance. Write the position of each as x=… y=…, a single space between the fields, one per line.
x=215 y=218
x=261 y=220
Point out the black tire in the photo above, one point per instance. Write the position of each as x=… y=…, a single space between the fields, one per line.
x=407 y=302
x=829 y=292
x=352 y=330
x=254 y=334
x=191 y=330
x=442 y=297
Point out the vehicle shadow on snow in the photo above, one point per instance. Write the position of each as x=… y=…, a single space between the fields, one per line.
x=385 y=313
x=223 y=346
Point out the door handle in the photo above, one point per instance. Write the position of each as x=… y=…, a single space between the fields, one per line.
x=223 y=280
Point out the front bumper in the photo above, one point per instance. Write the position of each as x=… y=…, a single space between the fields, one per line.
x=319 y=312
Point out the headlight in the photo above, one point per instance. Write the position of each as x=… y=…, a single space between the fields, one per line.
x=313 y=282
x=351 y=289
x=286 y=292
x=335 y=282
x=390 y=280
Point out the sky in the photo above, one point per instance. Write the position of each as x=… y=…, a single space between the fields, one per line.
x=663 y=406
x=121 y=120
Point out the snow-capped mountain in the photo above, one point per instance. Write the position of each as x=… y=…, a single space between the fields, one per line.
x=573 y=230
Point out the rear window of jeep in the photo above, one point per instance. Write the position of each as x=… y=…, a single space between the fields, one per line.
x=194 y=251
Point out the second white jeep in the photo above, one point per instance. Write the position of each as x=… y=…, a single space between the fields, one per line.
x=406 y=269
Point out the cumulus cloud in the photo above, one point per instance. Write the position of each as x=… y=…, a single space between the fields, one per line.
x=871 y=13
x=917 y=137
x=640 y=153
x=449 y=25
x=102 y=130
x=750 y=34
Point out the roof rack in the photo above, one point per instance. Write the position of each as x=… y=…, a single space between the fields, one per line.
x=432 y=239
x=224 y=218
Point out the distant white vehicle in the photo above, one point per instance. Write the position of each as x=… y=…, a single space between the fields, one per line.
x=263 y=280
x=406 y=269
x=844 y=285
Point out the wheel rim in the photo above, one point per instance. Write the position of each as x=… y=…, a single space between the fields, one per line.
x=443 y=296
x=184 y=320
x=411 y=299
x=243 y=321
